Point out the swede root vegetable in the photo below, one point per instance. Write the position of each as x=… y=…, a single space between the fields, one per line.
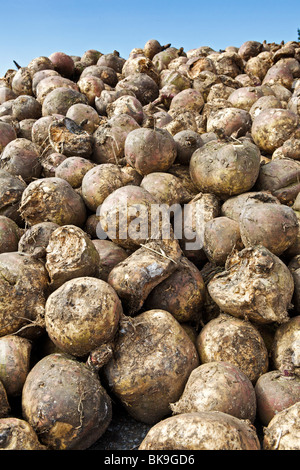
x=4 y=403
x=182 y=293
x=73 y=169
x=18 y=434
x=15 y=360
x=187 y=141
x=282 y=432
x=75 y=408
x=51 y=196
x=236 y=341
x=110 y=255
x=139 y=354
x=149 y=150
x=275 y=392
x=70 y=253
x=166 y=188
x=274 y=226
x=9 y=235
x=206 y=430
x=221 y=236
x=7 y=134
x=82 y=315
x=21 y=157
x=255 y=285
x=211 y=386
x=226 y=169
x=11 y=190
x=66 y=137
x=24 y=288
x=35 y=239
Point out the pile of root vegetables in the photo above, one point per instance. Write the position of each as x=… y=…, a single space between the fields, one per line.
x=190 y=322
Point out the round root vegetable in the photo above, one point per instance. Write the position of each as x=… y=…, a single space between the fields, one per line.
x=272 y=127
x=52 y=200
x=68 y=138
x=274 y=226
x=135 y=277
x=59 y=100
x=125 y=216
x=9 y=235
x=22 y=82
x=226 y=169
x=50 y=163
x=255 y=285
x=166 y=188
x=126 y=105
x=70 y=253
x=212 y=386
x=245 y=97
x=285 y=349
x=281 y=179
x=109 y=138
x=50 y=83
x=275 y=392
x=206 y=430
x=17 y=434
x=26 y=107
x=110 y=255
x=11 y=190
x=264 y=102
x=7 y=134
x=236 y=341
x=221 y=236
x=73 y=169
x=187 y=141
x=82 y=315
x=23 y=289
x=71 y=410
x=63 y=63
x=21 y=157
x=148 y=150
x=234 y=205
x=85 y=116
x=91 y=87
x=153 y=357
x=144 y=87
x=35 y=239
x=282 y=432
x=182 y=293
x=15 y=355
x=189 y=99
x=4 y=404
x=101 y=181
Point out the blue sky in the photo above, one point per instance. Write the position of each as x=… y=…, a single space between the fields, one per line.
x=31 y=29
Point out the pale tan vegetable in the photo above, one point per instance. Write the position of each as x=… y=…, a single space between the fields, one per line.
x=282 y=432
x=18 y=434
x=150 y=345
x=286 y=346
x=15 y=360
x=206 y=430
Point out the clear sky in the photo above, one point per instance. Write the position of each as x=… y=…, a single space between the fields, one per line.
x=30 y=29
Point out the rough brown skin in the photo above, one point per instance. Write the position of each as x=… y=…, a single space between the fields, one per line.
x=264 y=102
x=166 y=188
x=35 y=239
x=135 y=277
x=110 y=255
x=226 y=169
x=281 y=178
x=17 y=434
x=236 y=341
x=150 y=347
x=82 y=315
x=275 y=392
x=50 y=83
x=11 y=190
x=71 y=410
x=285 y=348
x=91 y=87
x=282 y=432
x=181 y=294
x=256 y=285
x=62 y=205
x=84 y=113
x=187 y=141
x=73 y=169
x=21 y=157
x=59 y=100
x=233 y=206
x=22 y=82
x=124 y=202
x=274 y=226
x=7 y=134
x=15 y=357
x=23 y=289
x=206 y=430
x=221 y=236
x=211 y=386
x=4 y=403
x=143 y=86
x=229 y=122
x=26 y=107
x=109 y=139
x=66 y=137
x=70 y=253
x=9 y=235
x=272 y=127
x=126 y=105
x=149 y=150
x=245 y=97
x=50 y=163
